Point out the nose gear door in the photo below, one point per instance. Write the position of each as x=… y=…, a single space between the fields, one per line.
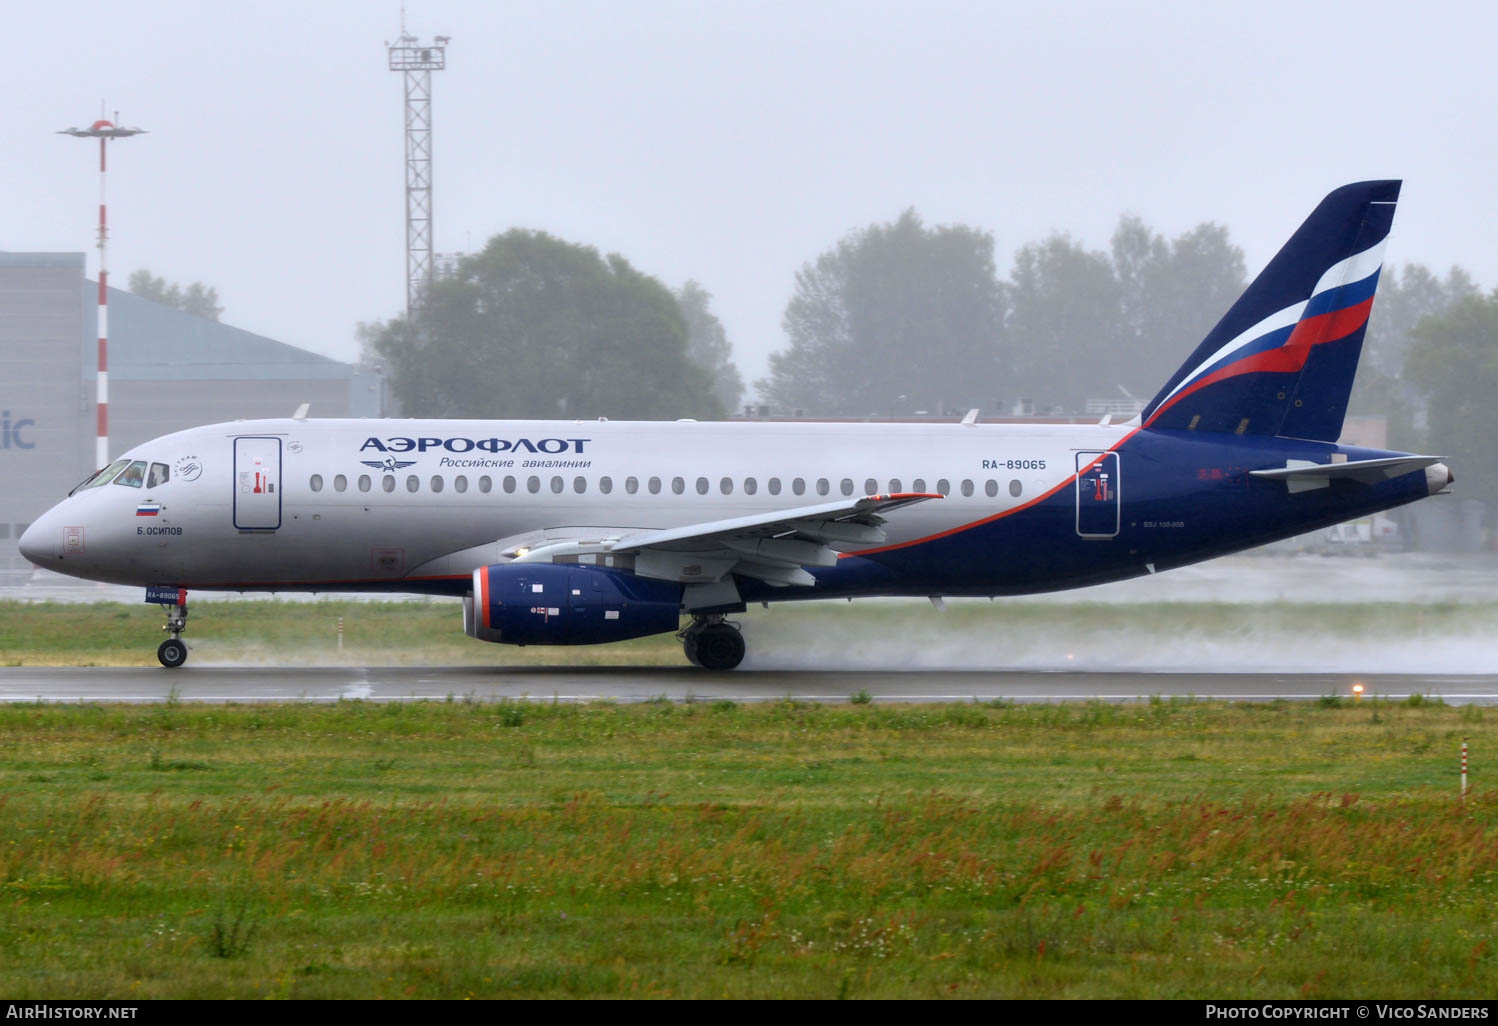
x=1097 y=494
x=257 y=483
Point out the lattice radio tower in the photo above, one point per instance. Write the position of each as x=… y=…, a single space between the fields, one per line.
x=417 y=60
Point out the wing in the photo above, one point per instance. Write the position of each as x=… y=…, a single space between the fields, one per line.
x=773 y=547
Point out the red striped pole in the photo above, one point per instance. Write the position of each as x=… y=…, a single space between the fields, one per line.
x=1464 y=769
x=103 y=131
x=101 y=444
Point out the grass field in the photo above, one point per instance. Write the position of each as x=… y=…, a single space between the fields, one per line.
x=700 y=850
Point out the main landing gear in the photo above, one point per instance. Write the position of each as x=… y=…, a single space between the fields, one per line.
x=173 y=651
x=713 y=643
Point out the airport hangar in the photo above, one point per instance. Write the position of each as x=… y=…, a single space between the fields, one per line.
x=168 y=370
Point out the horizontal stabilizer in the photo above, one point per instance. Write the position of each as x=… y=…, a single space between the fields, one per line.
x=1303 y=475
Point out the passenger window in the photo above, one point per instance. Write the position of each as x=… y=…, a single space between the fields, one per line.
x=316 y=482
x=364 y=482
x=533 y=484
x=944 y=486
x=750 y=486
x=798 y=486
x=678 y=485
x=1015 y=488
x=340 y=483
x=774 y=486
x=847 y=486
x=605 y=484
x=134 y=475
x=388 y=483
x=579 y=484
x=702 y=486
x=485 y=484
x=436 y=483
x=412 y=482
x=160 y=472
x=918 y=485
x=991 y=488
x=631 y=485
x=894 y=486
x=726 y=486
x=557 y=484
x=655 y=486
x=871 y=487
x=822 y=486
x=967 y=487
x=508 y=485
x=460 y=483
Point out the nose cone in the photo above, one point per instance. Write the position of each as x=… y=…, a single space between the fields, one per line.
x=33 y=547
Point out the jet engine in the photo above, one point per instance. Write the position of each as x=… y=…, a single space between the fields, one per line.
x=567 y=604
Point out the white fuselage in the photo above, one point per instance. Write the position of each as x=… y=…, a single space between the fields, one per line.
x=445 y=496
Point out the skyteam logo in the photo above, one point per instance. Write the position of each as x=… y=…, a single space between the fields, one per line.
x=549 y=446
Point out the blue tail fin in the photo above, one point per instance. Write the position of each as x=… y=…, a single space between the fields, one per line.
x=1281 y=362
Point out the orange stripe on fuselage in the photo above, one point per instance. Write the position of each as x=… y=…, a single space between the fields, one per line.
x=997 y=516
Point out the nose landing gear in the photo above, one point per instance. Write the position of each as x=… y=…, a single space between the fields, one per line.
x=173 y=651
x=713 y=643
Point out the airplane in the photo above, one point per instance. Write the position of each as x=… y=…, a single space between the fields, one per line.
x=592 y=531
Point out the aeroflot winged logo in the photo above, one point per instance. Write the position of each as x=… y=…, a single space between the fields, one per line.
x=390 y=464
x=551 y=446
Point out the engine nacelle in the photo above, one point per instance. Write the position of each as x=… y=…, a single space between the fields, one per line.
x=567 y=604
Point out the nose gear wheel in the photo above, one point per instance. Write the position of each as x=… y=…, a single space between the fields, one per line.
x=172 y=652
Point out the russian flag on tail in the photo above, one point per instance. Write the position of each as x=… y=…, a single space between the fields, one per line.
x=1282 y=361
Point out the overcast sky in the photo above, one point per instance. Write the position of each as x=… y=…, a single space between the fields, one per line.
x=727 y=142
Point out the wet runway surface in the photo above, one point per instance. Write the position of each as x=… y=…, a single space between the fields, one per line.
x=569 y=684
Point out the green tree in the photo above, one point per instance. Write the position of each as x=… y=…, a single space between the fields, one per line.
x=895 y=317
x=533 y=326
x=1453 y=366
x=708 y=346
x=1172 y=294
x=1406 y=296
x=197 y=298
x=1065 y=328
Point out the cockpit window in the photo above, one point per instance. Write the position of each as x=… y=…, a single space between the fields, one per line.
x=160 y=474
x=134 y=475
x=102 y=477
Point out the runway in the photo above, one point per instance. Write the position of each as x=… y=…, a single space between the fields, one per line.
x=679 y=684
